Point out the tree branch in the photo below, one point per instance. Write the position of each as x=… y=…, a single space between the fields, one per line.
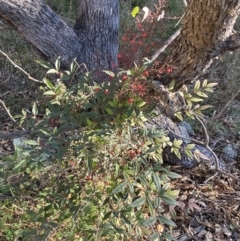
x=21 y=69
x=43 y=28
x=165 y=45
x=232 y=43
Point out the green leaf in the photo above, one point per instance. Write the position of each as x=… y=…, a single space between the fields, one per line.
x=109 y=73
x=201 y=94
x=167 y=221
x=204 y=84
x=149 y=222
x=177 y=143
x=118 y=230
x=49 y=92
x=179 y=115
x=4 y=188
x=176 y=151
x=52 y=71
x=157 y=202
x=125 y=219
x=196 y=99
x=9 y=158
x=169 y=200
x=106 y=201
x=173 y=175
x=34 y=109
x=135 y=11
x=188 y=153
x=119 y=188
x=73 y=66
x=107 y=215
x=89 y=164
x=48 y=83
x=57 y=64
x=190 y=146
x=131 y=187
x=141 y=103
x=197 y=86
x=109 y=111
x=111 y=103
x=157 y=181
x=204 y=107
x=31 y=142
x=65 y=77
x=172 y=84
x=44 y=64
x=55 y=102
x=20 y=164
x=167 y=236
x=210 y=85
x=138 y=202
x=155 y=237
x=89 y=123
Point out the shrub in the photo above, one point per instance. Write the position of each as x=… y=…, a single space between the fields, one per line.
x=95 y=171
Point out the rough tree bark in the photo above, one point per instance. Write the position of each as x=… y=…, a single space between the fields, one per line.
x=207 y=31
x=94 y=41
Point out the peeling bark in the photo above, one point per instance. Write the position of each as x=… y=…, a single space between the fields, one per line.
x=96 y=29
x=207 y=31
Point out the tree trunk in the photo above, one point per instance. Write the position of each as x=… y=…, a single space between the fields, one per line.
x=207 y=31
x=94 y=41
x=98 y=27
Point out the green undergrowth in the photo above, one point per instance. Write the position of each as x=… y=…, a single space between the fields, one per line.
x=92 y=169
x=95 y=171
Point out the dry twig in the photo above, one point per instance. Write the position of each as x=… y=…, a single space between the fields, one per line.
x=18 y=67
x=8 y=111
x=165 y=45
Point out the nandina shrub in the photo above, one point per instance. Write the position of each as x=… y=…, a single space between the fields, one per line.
x=95 y=164
x=141 y=36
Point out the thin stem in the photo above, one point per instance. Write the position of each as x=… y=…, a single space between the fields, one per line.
x=8 y=111
x=18 y=67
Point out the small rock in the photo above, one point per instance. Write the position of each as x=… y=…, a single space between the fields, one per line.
x=229 y=153
x=188 y=127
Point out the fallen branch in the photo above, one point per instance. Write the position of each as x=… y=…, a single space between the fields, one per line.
x=217 y=166
x=18 y=67
x=15 y=134
x=8 y=111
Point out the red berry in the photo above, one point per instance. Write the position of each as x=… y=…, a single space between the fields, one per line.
x=124 y=38
x=132 y=154
x=145 y=73
x=168 y=70
x=130 y=101
x=88 y=178
x=96 y=90
x=139 y=26
x=124 y=77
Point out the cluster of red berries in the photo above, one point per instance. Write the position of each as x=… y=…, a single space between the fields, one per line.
x=134 y=153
